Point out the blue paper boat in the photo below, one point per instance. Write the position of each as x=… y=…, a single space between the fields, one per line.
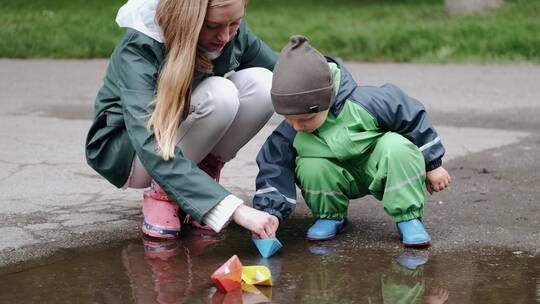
x=267 y=247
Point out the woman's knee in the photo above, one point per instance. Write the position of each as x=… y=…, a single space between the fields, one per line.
x=260 y=78
x=254 y=86
x=216 y=97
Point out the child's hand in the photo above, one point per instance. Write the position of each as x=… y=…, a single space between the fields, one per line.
x=437 y=180
x=260 y=223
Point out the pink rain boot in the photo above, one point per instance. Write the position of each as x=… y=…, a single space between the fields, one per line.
x=160 y=214
x=212 y=166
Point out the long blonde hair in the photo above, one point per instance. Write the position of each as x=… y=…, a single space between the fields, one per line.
x=181 y=22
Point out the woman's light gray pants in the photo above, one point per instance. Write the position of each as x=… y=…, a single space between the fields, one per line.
x=226 y=112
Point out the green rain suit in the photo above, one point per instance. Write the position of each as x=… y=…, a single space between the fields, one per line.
x=375 y=140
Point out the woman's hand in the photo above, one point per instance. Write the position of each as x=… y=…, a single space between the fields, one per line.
x=261 y=224
x=437 y=180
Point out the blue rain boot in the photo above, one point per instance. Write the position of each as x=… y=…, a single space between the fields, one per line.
x=413 y=233
x=324 y=229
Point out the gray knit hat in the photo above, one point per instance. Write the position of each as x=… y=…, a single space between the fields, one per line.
x=302 y=82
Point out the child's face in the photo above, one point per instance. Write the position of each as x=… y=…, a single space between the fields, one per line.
x=307 y=122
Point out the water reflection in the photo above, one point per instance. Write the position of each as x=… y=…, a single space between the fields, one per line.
x=339 y=271
x=331 y=277
x=167 y=271
x=404 y=282
x=321 y=249
x=175 y=272
x=249 y=294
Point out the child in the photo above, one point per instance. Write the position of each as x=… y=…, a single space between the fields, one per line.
x=341 y=141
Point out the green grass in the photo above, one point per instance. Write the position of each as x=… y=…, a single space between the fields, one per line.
x=365 y=30
x=58 y=28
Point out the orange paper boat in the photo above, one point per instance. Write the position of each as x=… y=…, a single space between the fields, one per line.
x=228 y=277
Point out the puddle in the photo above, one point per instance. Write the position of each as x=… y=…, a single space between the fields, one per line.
x=339 y=271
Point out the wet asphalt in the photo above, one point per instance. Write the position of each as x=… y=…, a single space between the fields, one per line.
x=487 y=116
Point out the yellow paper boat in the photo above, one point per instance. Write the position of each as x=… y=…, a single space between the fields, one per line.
x=257 y=275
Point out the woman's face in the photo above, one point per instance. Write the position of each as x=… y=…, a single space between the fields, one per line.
x=220 y=25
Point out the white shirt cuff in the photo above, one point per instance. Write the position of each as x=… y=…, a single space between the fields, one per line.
x=221 y=214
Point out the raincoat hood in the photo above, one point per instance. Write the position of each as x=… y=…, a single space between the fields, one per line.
x=140 y=16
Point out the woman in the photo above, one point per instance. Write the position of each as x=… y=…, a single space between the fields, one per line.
x=166 y=106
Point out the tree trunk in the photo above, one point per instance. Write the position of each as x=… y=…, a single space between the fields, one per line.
x=453 y=7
